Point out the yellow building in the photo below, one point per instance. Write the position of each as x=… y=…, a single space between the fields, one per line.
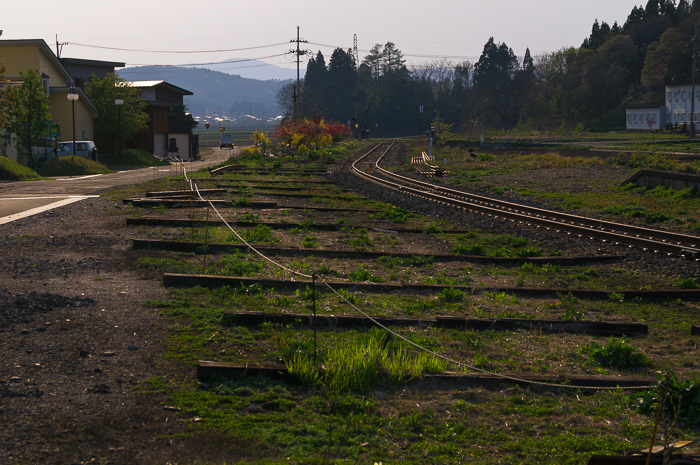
x=21 y=56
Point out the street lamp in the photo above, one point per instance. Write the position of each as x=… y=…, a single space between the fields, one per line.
x=73 y=97
x=119 y=102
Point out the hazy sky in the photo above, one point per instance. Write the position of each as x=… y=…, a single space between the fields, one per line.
x=421 y=30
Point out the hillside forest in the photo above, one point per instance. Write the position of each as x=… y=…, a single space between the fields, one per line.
x=573 y=88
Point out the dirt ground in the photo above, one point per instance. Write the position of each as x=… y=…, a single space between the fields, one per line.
x=78 y=345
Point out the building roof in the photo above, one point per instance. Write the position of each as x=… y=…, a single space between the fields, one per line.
x=42 y=45
x=80 y=61
x=144 y=84
x=638 y=107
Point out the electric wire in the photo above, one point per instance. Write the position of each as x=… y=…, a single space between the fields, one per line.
x=449 y=360
x=177 y=51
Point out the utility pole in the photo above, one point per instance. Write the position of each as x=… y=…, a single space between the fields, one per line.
x=59 y=47
x=355 y=53
x=298 y=54
x=695 y=42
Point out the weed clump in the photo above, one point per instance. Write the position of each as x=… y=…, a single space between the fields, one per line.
x=615 y=354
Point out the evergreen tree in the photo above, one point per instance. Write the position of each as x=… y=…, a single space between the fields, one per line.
x=373 y=61
x=528 y=62
x=392 y=58
x=313 y=101
x=341 y=84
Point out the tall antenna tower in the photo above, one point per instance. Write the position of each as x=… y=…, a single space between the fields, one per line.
x=354 y=51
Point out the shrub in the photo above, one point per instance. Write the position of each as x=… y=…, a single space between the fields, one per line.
x=10 y=170
x=682 y=400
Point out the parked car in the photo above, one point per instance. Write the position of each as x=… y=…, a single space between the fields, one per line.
x=83 y=148
x=226 y=141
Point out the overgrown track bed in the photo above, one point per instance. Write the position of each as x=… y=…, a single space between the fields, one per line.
x=657 y=241
x=518 y=308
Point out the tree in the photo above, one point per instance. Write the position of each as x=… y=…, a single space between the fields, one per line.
x=373 y=60
x=28 y=114
x=3 y=108
x=285 y=99
x=313 y=101
x=103 y=92
x=341 y=85
x=494 y=76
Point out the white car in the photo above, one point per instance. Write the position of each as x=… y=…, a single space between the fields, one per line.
x=83 y=148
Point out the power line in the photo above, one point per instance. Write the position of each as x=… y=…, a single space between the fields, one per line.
x=177 y=51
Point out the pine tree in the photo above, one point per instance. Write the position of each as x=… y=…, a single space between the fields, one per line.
x=528 y=62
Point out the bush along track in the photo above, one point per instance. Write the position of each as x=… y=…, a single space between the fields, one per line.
x=363 y=393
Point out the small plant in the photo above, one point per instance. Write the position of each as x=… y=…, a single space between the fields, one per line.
x=474 y=249
x=361 y=275
x=616 y=297
x=451 y=295
x=529 y=252
x=306 y=294
x=502 y=298
x=260 y=234
x=394 y=214
x=362 y=242
x=309 y=242
x=520 y=282
x=432 y=229
x=346 y=295
x=326 y=271
x=615 y=354
x=236 y=264
x=687 y=283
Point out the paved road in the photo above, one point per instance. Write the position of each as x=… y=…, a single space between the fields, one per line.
x=23 y=199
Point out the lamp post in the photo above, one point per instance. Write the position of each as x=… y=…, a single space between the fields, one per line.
x=73 y=97
x=119 y=102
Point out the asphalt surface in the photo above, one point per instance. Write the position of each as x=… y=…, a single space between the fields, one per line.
x=23 y=199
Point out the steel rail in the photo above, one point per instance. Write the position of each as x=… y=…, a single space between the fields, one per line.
x=670 y=243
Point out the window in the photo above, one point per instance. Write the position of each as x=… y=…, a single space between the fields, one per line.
x=683 y=96
x=635 y=117
x=629 y=117
x=83 y=132
x=697 y=117
x=668 y=97
x=45 y=84
x=675 y=95
x=682 y=117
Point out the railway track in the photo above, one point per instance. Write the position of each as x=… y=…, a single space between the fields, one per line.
x=681 y=245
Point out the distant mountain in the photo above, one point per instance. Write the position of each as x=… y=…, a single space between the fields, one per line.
x=251 y=69
x=214 y=91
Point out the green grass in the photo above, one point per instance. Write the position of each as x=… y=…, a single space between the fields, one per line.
x=10 y=170
x=72 y=166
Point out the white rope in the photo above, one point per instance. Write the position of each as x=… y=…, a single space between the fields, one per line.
x=449 y=360
x=196 y=189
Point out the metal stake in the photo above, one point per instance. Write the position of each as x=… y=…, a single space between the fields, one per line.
x=313 y=294
x=206 y=242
